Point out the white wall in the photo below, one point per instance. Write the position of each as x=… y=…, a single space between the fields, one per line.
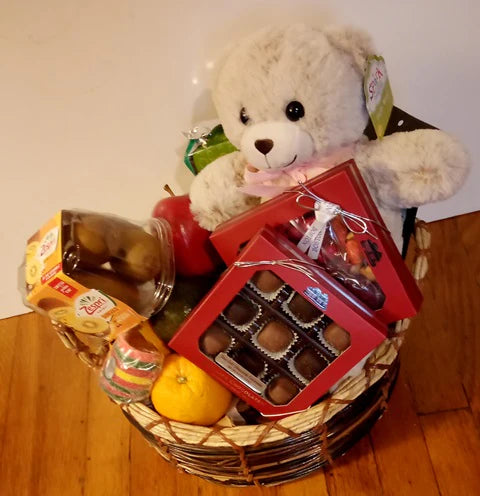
x=94 y=95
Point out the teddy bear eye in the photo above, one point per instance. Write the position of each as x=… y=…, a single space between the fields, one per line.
x=244 y=116
x=294 y=111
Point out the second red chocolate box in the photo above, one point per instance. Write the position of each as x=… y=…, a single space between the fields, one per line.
x=367 y=263
x=277 y=330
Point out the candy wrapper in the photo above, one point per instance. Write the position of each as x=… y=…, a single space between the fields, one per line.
x=132 y=366
x=338 y=250
x=204 y=146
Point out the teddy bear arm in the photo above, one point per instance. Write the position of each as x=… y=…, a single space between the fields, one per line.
x=413 y=168
x=214 y=193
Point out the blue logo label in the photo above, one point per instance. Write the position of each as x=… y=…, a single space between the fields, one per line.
x=317 y=296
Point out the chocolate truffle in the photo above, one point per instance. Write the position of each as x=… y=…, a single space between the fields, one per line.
x=275 y=337
x=249 y=361
x=240 y=311
x=281 y=390
x=336 y=336
x=309 y=364
x=214 y=340
x=266 y=281
x=303 y=309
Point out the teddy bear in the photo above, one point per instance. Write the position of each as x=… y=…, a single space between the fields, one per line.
x=291 y=101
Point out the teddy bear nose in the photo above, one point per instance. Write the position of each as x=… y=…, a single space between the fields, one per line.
x=264 y=145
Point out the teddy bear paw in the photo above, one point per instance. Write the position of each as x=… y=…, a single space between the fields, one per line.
x=413 y=168
x=215 y=196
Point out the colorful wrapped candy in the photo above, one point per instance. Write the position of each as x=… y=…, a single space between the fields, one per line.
x=342 y=256
x=131 y=368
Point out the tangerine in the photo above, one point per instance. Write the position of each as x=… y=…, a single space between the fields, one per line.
x=185 y=393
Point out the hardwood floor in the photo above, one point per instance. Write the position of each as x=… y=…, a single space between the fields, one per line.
x=60 y=435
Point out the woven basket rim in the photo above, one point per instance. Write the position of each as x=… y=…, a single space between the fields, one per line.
x=270 y=464
x=249 y=435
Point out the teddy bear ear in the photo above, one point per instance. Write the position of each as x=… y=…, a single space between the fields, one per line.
x=353 y=41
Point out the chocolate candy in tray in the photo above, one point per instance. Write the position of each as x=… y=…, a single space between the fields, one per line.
x=277 y=330
x=281 y=348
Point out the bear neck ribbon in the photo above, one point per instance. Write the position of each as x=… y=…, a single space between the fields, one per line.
x=272 y=182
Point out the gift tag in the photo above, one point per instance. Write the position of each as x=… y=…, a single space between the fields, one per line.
x=378 y=94
x=206 y=144
x=312 y=240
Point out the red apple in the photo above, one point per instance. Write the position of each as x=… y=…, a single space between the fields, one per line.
x=194 y=253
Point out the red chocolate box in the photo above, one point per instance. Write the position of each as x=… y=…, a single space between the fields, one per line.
x=277 y=330
x=355 y=247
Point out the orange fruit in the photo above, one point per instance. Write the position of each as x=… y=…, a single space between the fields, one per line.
x=185 y=393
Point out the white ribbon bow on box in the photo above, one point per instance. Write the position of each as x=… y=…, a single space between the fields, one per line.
x=325 y=211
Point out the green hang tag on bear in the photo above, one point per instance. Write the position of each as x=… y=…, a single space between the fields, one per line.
x=205 y=146
x=378 y=94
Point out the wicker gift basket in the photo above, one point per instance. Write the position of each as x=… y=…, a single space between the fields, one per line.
x=274 y=452
x=283 y=450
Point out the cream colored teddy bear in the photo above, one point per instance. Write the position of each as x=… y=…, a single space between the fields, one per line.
x=292 y=101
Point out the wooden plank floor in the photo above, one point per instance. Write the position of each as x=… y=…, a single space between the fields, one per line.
x=59 y=435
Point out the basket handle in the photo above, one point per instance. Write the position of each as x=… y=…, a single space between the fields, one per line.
x=419 y=270
x=423 y=240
